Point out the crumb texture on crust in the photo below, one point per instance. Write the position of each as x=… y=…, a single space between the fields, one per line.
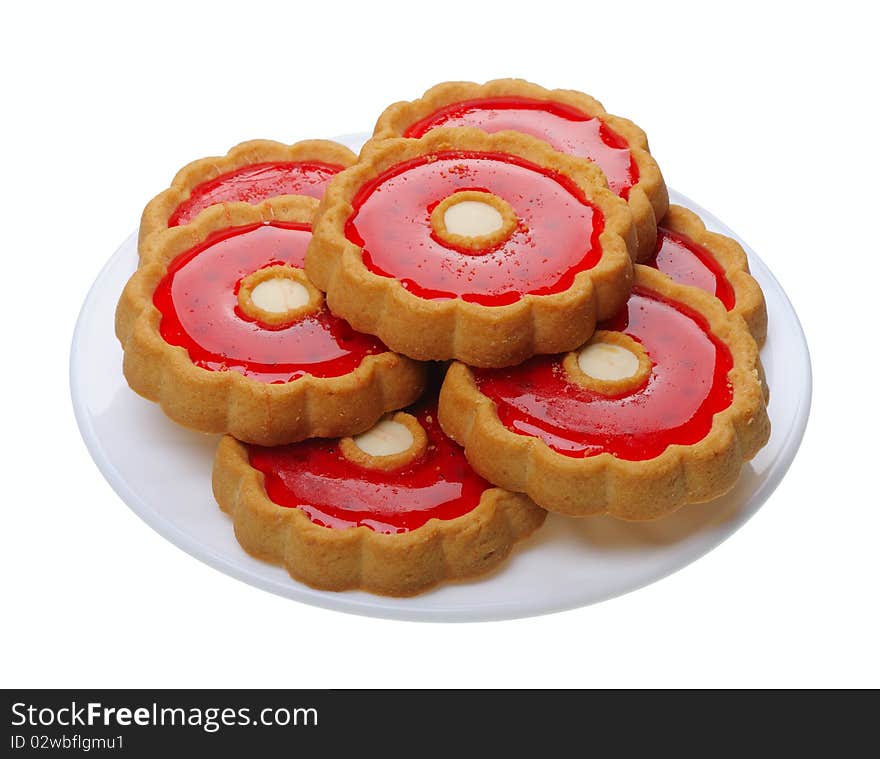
x=480 y=335
x=401 y=564
x=227 y=401
x=750 y=303
x=648 y=198
x=159 y=210
x=605 y=484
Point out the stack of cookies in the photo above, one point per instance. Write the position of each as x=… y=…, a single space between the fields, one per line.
x=413 y=354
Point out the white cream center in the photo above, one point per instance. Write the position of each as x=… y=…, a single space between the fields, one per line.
x=279 y=294
x=387 y=438
x=472 y=218
x=606 y=361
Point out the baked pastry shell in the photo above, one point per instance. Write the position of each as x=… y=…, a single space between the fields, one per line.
x=648 y=198
x=749 y=299
x=486 y=336
x=604 y=484
x=159 y=210
x=227 y=401
x=401 y=564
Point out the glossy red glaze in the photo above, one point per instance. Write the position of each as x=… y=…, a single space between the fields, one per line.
x=198 y=300
x=566 y=128
x=334 y=492
x=689 y=263
x=557 y=235
x=256 y=183
x=688 y=385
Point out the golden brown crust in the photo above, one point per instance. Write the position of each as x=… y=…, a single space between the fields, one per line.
x=443 y=329
x=633 y=490
x=360 y=558
x=648 y=198
x=229 y=402
x=159 y=209
x=729 y=253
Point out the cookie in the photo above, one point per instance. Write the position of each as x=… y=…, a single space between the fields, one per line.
x=393 y=511
x=692 y=255
x=570 y=121
x=221 y=326
x=251 y=172
x=662 y=407
x=464 y=245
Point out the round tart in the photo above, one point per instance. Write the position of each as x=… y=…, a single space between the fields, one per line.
x=570 y=121
x=692 y=255
x=461 y=244
x=251 y=172
x=392 y=511
x=221 y=326
x=662 y=407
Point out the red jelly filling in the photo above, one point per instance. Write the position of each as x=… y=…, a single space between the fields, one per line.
x=198 y=300
x=557 y=235
x=688 y=385
x=334 y=492
x=688 y=263
x=567 y=129
x=256 y=183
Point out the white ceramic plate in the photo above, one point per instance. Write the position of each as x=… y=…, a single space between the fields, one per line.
x=163 y=473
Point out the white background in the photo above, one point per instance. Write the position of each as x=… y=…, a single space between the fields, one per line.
x=767 y=117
